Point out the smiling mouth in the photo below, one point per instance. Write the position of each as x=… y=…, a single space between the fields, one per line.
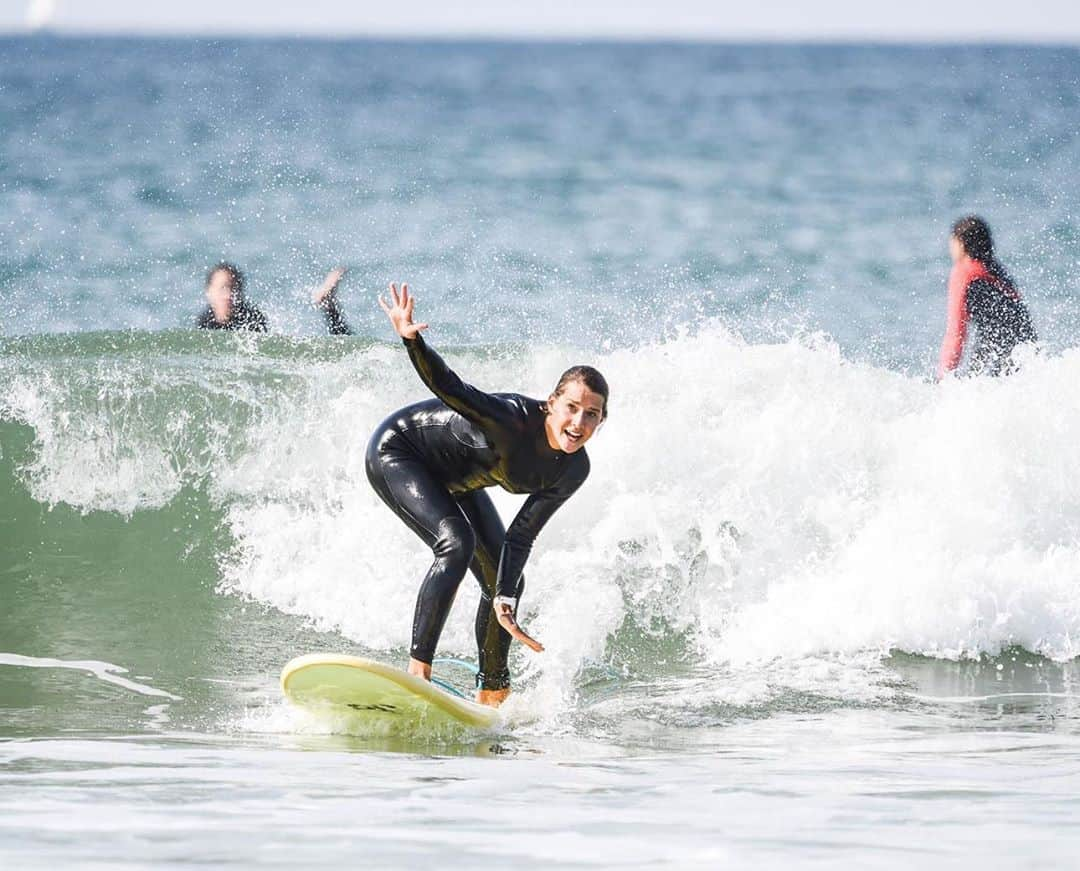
x=572 y=437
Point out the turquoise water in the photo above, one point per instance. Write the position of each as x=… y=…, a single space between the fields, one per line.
x=809 y=610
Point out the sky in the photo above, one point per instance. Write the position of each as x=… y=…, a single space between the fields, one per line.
x=1055 y=21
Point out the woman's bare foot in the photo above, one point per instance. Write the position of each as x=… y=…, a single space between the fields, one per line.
x=492 y=698
x=420 y=669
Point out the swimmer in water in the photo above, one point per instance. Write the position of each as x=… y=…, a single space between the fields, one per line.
x=430 y=463
x=229 y=309
x=227 y=306
x=981 y=293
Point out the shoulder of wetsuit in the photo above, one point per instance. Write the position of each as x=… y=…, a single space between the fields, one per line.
x=249 y=317
x=981 y=293
x=519 y=412
x=993 y=308
x=205 y=320
x=524 y=404
x=980 y=285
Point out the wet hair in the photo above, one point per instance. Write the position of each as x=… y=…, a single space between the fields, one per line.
x=973 y=234
x=235 y=275
x=588 y=376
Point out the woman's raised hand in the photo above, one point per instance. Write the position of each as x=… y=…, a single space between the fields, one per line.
x=399 y=310
x=324 y=294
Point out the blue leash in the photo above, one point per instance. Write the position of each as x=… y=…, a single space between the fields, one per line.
x=451 y=661
x=448 y=687
x=473 y=669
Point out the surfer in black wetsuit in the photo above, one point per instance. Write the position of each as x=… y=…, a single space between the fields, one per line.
x=229 y=309
x=431 y=461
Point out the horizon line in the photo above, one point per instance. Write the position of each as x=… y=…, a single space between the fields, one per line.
x=562 y=38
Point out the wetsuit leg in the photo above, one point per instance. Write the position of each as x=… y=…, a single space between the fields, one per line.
x=492 y=641
x=404 y=482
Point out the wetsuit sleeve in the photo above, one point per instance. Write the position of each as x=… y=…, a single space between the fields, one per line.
x=956 y=323
x=479 y=407
x=534 y=514
x=335 y=319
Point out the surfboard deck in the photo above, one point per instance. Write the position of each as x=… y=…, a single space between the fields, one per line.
x=374 y=691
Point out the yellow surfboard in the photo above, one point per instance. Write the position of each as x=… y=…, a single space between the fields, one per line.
x=373 y=691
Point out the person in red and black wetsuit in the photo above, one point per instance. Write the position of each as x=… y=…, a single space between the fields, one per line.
x=981 y=293
x=430 y=463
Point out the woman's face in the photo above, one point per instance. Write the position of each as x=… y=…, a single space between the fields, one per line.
x=956 y=250
x=219 y=293
x=573 y=417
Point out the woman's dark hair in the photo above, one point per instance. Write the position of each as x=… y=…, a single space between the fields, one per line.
x=235 y=275
x=588 y=376
x=973 y=233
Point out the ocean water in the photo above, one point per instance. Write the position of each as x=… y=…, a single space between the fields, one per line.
x=810 y=609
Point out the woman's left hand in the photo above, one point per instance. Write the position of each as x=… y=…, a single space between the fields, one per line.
x=504 y=613
x=400 y=312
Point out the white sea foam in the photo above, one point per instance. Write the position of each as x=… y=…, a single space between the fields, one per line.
x=105 y=671
x=771 y=502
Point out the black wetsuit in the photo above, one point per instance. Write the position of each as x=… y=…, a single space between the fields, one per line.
x=430 y=462
x=244 y=317
x=1001 y=323
x=335 y=319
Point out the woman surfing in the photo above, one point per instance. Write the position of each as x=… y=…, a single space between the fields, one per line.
x=431 y=461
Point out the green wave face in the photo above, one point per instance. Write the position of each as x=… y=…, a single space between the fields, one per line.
x=114 y=522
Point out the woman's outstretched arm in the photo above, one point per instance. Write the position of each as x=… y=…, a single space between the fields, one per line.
x=441 y=380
